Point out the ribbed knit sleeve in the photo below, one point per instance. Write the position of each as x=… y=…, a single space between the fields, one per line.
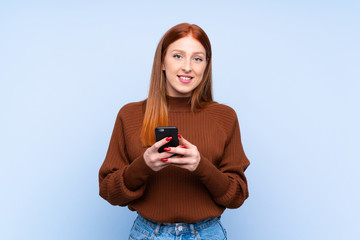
x=121 y=180
x=227 y=182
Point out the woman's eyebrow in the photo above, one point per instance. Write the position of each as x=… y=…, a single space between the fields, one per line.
x=177 y=50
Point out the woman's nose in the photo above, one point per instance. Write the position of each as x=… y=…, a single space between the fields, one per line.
x=187 y=66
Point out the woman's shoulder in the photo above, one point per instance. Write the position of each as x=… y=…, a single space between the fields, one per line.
x=221 y=110
x=132 y=108
x=223 y=115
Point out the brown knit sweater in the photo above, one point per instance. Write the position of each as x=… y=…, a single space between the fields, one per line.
x=174 y=194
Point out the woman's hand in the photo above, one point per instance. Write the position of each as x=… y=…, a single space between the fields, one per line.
x=190 y=155
x=155 y=160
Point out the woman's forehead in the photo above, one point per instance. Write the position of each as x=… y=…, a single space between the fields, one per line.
x=187 y=45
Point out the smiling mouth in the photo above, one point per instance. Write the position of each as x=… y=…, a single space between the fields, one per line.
x=184 y=79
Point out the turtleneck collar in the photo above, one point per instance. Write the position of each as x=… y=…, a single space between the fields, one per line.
x=178 y=104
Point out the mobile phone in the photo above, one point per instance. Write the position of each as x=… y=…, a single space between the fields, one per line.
x=162 y=132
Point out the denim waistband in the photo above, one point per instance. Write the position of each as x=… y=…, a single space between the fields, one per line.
x=178 y=227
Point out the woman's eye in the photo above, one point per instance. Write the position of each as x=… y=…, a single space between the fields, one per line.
x=177 y=56
x=198 y=59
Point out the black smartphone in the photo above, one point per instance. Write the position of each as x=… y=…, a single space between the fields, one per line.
x=162 y=132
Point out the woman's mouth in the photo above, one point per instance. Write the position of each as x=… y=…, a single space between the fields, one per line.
x=185 y=79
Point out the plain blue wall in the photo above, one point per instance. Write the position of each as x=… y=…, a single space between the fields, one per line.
x=290 y=69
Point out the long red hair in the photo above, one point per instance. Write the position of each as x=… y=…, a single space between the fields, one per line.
x=156 y=112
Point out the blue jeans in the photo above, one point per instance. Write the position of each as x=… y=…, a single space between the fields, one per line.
x=208 y=229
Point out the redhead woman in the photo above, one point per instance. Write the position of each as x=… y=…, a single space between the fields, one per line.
x=182 y=192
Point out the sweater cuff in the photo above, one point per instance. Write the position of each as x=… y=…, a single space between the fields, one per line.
x=216 y=181
x=137 y=173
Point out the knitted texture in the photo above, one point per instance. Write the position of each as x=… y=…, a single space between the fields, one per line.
x=174 y=194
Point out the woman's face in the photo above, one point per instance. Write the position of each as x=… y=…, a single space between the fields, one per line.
x=184 y=65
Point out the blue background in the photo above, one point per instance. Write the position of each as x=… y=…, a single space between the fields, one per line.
x=290 y=69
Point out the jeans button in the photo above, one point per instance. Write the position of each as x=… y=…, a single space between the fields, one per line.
x=180 y=228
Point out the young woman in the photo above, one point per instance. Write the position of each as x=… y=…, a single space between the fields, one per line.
x=182 y=196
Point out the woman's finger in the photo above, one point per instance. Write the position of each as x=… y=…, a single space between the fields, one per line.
x=155 y=147
x=178 y=160
x=164 y=155
x=183 y=141
x=178 y=150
